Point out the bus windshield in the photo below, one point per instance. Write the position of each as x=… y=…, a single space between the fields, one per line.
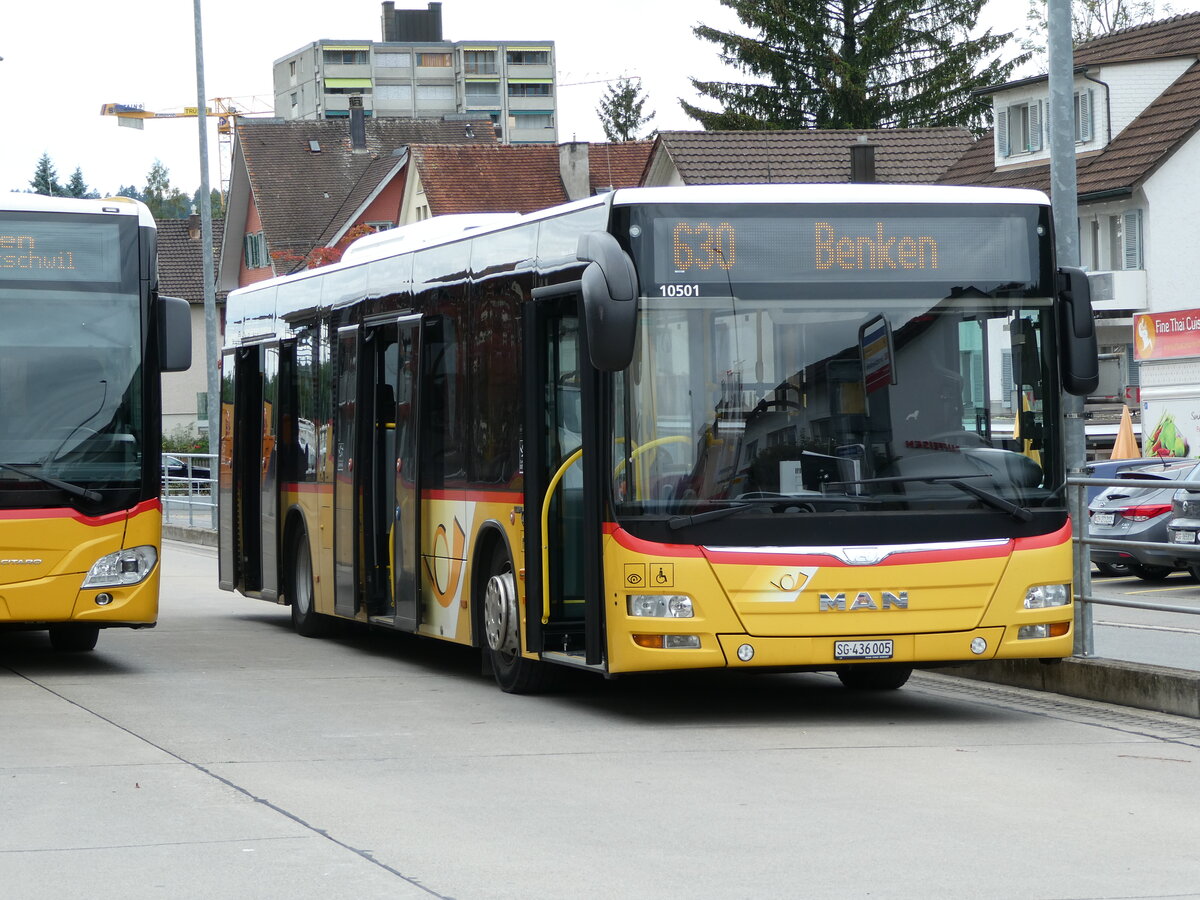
x=738 y=400
x=70 y=393
x=783 y=389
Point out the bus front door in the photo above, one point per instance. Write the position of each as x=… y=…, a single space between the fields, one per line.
x=565 y=616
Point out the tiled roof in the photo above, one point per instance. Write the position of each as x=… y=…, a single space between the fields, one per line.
x=1174 y=37
x=180 y=268
x=1128 y=160
x=304 y=195
x=514 y=178
x=902 y=156
x=617 y=165
x=504 y=178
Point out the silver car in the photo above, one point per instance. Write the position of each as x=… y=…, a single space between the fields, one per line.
x=1183 y=528
x=1139 y=514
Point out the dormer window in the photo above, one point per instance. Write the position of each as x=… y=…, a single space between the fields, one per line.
x=1019 y=128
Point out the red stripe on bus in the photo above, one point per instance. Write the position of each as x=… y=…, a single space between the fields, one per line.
x=90 y=521
x=649 y=548
x=478 y=496
x=1050 y=539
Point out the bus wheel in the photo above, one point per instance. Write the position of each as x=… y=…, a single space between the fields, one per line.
x=502 y=627
x=875 y=677
x=74 y=638
x=305 y=619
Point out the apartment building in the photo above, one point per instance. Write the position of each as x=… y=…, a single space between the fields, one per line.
x=413 y=72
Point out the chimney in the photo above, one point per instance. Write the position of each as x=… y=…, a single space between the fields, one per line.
x=194 y=226
x=862 y=161
x=358 y=124
x=574 y=170
x=412 y=24
x=389 y=21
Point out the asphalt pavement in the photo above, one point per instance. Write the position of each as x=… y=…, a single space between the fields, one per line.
x=220 y=755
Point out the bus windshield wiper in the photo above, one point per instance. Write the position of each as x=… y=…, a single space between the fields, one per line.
x=73 y=489
x=747 y=501
x=677 y=522
x=993 y=500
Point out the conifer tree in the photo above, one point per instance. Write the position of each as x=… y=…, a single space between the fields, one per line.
x=77 y=187
x=45 y=178
x=854 y=64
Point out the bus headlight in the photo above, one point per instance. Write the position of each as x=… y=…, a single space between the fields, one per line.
x=124 y=567
x=1044 y=596
x=661 y=606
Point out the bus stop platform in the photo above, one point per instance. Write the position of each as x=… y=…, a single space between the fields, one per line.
x=1158 y=688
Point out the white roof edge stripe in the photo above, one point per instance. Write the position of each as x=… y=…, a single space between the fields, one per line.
x=827 y=193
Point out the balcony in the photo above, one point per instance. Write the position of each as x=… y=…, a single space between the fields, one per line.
x=1119 y=290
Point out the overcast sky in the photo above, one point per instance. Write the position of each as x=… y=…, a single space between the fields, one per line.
x=63 y=61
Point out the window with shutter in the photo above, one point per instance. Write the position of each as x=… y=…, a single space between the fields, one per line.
x=1033 y=137
x=1131 y=238
x=1083 y=116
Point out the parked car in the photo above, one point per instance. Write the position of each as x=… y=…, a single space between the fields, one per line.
x=1108 y=468
x=1139 y=514
x=1183 y=528
x=173 y=467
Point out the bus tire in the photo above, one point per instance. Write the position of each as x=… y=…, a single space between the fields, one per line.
x=74 y=638
x=874 y=677
x=502 y=630
x=306 y=621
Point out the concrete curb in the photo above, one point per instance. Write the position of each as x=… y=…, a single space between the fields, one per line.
x=1174 y=691
x=190 y=534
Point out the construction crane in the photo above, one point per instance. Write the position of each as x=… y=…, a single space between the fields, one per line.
x=226 y=110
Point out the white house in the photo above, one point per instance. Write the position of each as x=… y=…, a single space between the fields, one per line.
x=1137 y=111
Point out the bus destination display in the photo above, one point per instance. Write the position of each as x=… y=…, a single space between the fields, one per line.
x=59 y=251
x=963 y=249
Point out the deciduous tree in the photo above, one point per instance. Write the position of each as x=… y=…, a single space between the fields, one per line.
x=620 y=110
x=1090 y=19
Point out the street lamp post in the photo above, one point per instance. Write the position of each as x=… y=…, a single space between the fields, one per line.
x=211 y=348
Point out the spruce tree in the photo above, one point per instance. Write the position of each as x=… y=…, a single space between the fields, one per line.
x=854 y=64
x=45 y=178
x=620 y=110
x=77 y=187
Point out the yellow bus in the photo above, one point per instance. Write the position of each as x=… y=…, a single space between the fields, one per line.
x=85 y=337
x=784 y=427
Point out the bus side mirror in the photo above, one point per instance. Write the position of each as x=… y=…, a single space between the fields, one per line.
x=174 y=334
x=610 y=292
x=1080 y=360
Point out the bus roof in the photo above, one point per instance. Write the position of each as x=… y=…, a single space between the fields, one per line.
x=827 y=193
x=434 y=231
x=122 y=206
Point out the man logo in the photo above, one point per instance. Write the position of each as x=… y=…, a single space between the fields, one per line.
x=863 y=600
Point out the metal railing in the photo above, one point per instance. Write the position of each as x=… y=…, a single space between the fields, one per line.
x=189 y=489
x=1084 y=598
